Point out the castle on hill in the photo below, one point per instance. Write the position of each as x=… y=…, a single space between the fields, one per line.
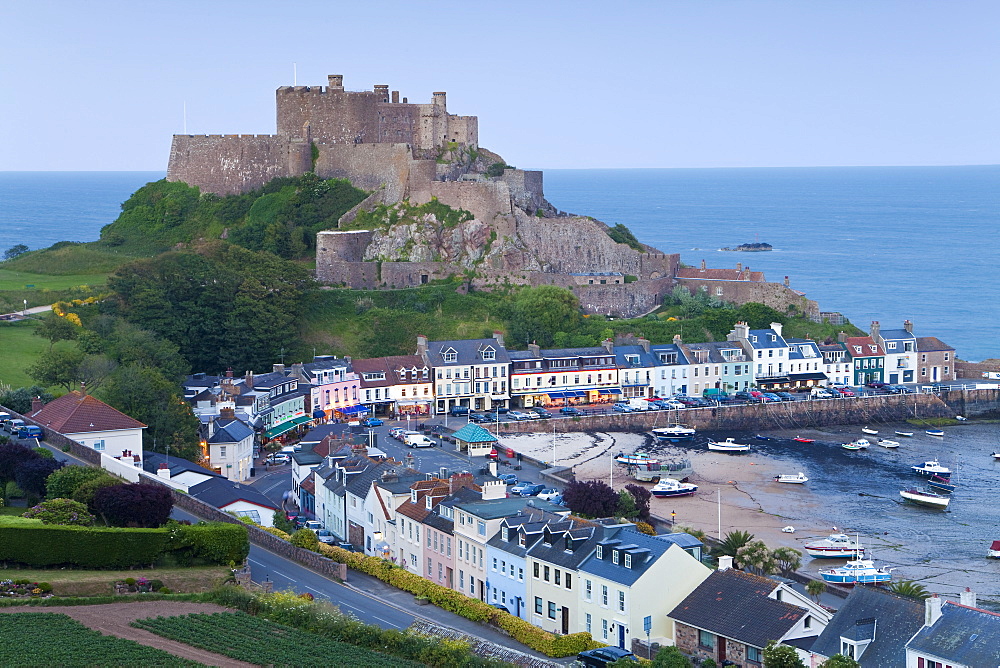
x=407 y=155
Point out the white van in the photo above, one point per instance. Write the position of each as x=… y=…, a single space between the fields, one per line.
x=419 y=441
x=820 y=393
x=639 y=404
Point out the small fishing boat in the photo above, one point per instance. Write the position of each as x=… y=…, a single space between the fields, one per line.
x=869 y=430
x=961 y=418
x=994 y=551
x=796 y=479
x=939 y=484
x=857 y=571
x=799 y=439
x=905 y=434
x=932 y=467
x=669 y=487
x=728 y=445
x=674 y=432
x=835 y=546
x=763 y=438
x=925 y=497
x=886 y=443
x=636 y=458
x=934 y=432
x=996 y=455
x=788 y=529
x=857 y=444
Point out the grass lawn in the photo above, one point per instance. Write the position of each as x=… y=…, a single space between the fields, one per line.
x=20 y=280
x=68 y=582
x=48 y=639
x=19 y=349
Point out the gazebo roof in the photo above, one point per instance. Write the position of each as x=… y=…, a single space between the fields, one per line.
x=473 y=433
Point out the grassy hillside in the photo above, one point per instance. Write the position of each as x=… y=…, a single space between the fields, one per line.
x=19 y=349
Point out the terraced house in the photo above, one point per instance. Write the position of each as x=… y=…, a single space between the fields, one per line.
x=472 y=373
x=563 y=376
x=867 y=359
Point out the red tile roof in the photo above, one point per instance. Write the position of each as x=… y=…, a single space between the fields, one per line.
x=866 y=342
x=78 y=413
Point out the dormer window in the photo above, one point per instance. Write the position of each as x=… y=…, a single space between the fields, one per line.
x=569 y=543
x=614 y=556
x=628 y=560
x=521 y=540
x=600 y=551
x=874 y=349
x=413 y=495
x=753 y=339
x=774 y=338
x=489 y=354
x=891 y=345
x=505 y=534
x=430 y=501
x=857 y=349
x=449 y=355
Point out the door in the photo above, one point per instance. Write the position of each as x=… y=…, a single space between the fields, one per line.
x=893 y=378
x=722 y=649
x=565 y=620
x=621 y=635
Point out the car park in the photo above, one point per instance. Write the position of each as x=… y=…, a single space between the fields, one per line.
x=326 y=536
x=622 y=407
x=602 y=656
x=548 y=493
x=372 y=422
x=517 y=415
x=541 y=413
x=570 y=410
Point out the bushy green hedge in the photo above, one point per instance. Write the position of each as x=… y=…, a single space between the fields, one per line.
x=36 y=544
x=521 y=630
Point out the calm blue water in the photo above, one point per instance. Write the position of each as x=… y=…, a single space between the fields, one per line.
x=875 y=243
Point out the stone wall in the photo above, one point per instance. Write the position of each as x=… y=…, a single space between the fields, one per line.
x=228 y=164
x=348 y=246
x=776 y=295
x=975 y=370
x=627 y=300
x=972 y=403
x=368 y=166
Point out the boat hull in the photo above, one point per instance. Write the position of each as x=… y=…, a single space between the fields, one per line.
x=938 y=502
x=673 y=493
x=832 y=553
x=877 y=578
x=904 y=433
x=728 y=448
x=934 y=432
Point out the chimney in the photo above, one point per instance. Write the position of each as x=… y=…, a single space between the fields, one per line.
x=382 y=91
x=439 y=99
x=842 y=337
x=227 y=412
x=725 y=563
x=874 y=331
x=36 y=404
x=248 y=379
x=395 y=97
x=229 y=372
x=968 y=597
x=335 y=81
x=739 y=266
x=83 y=387
x=776 y=326
x=908 y=326
x=498 y=336
x=703 y=265
x=163 y=471
x=609 y=345
x=389 y=475
x=493 y=468
x=786 y=282
x=932 y=609
x=297 y=371
x=535 y=350
x=677 y=339
x=644 y=342
x=278 y=368
x=421 y=345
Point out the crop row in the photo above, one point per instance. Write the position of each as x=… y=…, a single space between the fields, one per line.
x=49 y=639
x=255 y=640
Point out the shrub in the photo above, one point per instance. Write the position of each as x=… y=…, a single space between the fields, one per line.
x=217 y=542
x=61 y=511
x=305 y=538
x=135 y=505
x=62 y=484
x=86 y=491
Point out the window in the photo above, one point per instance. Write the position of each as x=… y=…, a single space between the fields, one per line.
x=588 y=591
x=536 y=568
x=413 y=560
x=99 y=445
x=754 y=654
x=552 y=610
x=614 y=556
x=569 y=580
x=604 y=595
x=628 y=561
x=494 y=563
x=494 y=595
x=847 y=649
x=600 y=551
x=481 y=528
x=545 y=575
x=706 y=640
x=621 y=601
x=538 y=605
x=556 y=576
x=505 y=534
x=461 y=579
x=807 y=622
x=222 y=451
x=590 y=621
x=604 y=628
x=520 y=574
x=430 y=567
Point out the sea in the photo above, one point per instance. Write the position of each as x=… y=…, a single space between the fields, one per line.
x=873 y=243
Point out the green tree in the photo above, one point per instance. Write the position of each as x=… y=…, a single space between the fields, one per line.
x=14 y=251
x=787 y=559
x=840 y=661
x=670 y=657
x=755 y=557
x=816 y=588
x=58 y=368
x=86 y=492
x=20 y=399
x=759 y=316
x=626 y=506
x=54 y=328
x=62 y=484
x=305 y=538
x=541 y=312
x=61 y=511
x=281 y=521
x=732 y=543
x=909 y=588
x=781 y=656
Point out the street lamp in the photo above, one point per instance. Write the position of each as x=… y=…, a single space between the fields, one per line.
x=25 y=311
x=673 y=518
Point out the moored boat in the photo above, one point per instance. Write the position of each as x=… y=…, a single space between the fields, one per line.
x=996 y=455
x=636 y=458
x=799 y=439
x=886 y=443
x=932 y=467
x=857 y=571
x=994 y=551
x=869 y=430
x=939 y=484
x=857 y=444
x=763 y=438
x=905 y=434
x=795 y=479
x=925 y=497
x=934 y=432
x=674 y=432
x=669 y=487
x=835 y=546
x=728 y=445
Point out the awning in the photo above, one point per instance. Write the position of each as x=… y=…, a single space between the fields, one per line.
x=635 y=385
x=319 y=414
x=559 y=395
x=352 y=410
x=807 y=376
x=777 y=380
x=613 y=390
x=287 y=425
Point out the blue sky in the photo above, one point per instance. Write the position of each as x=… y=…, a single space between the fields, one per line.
x=102 y=85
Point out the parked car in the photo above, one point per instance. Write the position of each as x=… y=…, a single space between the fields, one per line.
x=602 y=656
x=402 y=435
x=372 y=422
x=570 y=410
x=396 y=433
x=480 y=418
x=313 y=525
x=548 y=493
x=697 y=402
x=747 y=397
x=622 y=407
x=785 y=396
x=558 y=500
x=459 y=411
x=523 y=485
x=30 y=431
x=500 y=607
x=876 y=384
x=671 y=404
x=541 y=413
x=507 y=478
x=278 y=459
x=689 y=402
x=517 y=415
x=896 y=389
x=326 y=536
x=344 y=545
x=822 y=393
x=770 y=397
x=531 y=489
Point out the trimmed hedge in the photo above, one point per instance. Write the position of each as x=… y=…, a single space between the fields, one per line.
x=35 y=544
x=521 y=630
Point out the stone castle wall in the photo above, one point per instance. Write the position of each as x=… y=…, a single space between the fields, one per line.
x=776 y=295
x=230 y=164
x=368 y=166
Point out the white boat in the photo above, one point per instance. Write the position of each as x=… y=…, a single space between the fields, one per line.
x=835 y=546
x=996 y=455
x=925 y=497
x=869 y=430
x=636 y=458
x=857 y=444
x=788 y=529
x=961 y=418
x=886 y=443
x=674 y=432
x=857 y=571
x=728 y=445
x=994 y=551
x=905 y=434
x=796 y=479
x=934 y=432
x=932 y=467
x=669 y=487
